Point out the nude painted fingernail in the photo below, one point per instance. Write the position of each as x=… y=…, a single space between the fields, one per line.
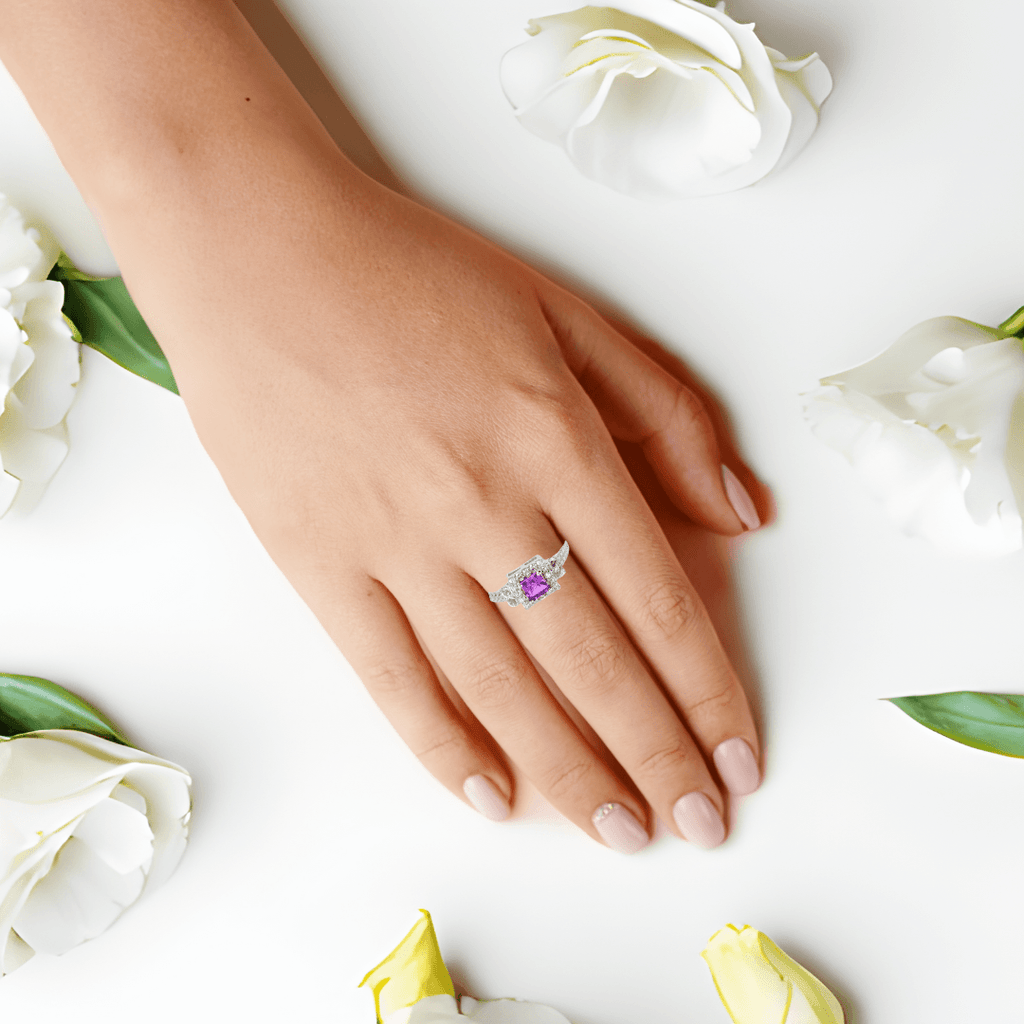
x=486 y=797
x=740 y=500
x=619 y=829
x=698 y=820
x=737 y=766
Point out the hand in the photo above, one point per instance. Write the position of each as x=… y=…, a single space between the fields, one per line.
x=405 y=413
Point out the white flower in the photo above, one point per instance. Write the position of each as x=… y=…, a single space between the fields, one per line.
x=759 y=984
x=934 y=427
x=411 y=985
x=39 y=360
x=86 y=825
x=445 y=1009
x=663 y=99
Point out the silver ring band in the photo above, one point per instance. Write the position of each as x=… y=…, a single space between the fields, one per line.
x=533 y=580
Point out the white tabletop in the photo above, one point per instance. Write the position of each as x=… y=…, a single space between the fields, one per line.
x=881 y=855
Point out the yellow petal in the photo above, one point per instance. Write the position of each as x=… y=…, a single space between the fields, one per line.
x=412 y=971
x=759 y=984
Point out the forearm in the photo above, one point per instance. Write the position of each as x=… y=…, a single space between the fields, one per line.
x=189 y=143
x=134 y=93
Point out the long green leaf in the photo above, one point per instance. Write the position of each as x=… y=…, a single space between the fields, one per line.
x=988 y=721
x=104 y=316
x=28 y=703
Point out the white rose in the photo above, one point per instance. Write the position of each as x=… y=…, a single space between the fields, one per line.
x=663 y=99
x=934 y=427
x=445 y=1009
x=39 y=360
x=86 y=825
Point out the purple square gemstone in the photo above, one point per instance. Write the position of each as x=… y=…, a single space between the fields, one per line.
x=535 y=586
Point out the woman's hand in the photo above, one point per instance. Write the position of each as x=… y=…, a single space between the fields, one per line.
x=405 y=413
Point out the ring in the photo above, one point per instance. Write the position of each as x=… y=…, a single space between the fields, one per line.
x=533 y=580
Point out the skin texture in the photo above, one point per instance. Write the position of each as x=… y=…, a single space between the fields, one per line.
x=405 y=413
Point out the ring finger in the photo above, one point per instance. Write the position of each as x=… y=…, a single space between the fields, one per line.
x=503 y=690
x=594 y=663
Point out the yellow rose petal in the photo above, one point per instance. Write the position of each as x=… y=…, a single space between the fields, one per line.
x=759 y=984
x=412 y=971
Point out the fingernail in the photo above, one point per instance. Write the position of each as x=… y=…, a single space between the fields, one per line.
x=740 y=500
x=619 y=829
x=486 y=797
x=698 y=820
x=737 y=766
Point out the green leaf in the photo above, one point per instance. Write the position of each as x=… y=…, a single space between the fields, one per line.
x=104 y=315
x=988 y=721
x=28 y=704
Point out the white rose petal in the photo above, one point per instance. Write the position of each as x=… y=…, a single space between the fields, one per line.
x=39 y=361
x=663 y=99
x=444 y=1009
x=934 y=427
x=509 y=1011
x=86 y=826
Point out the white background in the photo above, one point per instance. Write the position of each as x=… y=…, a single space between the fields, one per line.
x=884 y=857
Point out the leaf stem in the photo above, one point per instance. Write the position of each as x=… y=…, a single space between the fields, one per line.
x=1014 y=326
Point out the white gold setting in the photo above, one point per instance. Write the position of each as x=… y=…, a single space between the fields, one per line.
x=549 y=569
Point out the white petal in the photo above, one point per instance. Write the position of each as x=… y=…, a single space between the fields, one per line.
x=15 y=354
x=54 y=765
x=22 y=873
x=892 y=371
x=29 y=454
x=919 y=480
x=511 y=1011
x=79 y=898
x=803 y=109
x=810 y=73
x=662 y=136
x=8 y=489
x=169 y=804
x=20 y=252
x=47 y=392
x=135 y=800
x=53 y=776
x=554 y=113
x=948 y=367
x=439 y=1009
x=14 y=952
x=118 y=835
x=773 y=114
x=713 y=31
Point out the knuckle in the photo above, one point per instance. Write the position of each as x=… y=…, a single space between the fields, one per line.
x=557 y=425
x=494 y=686
x=392 y=680
x=671 y=610
x=563 y=780
x=689 y=412
x=439 y=748
x=712 y=705
x=666 y=763
x=597 y=660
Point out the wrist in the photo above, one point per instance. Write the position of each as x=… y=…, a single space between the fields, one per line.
x=174 y=94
